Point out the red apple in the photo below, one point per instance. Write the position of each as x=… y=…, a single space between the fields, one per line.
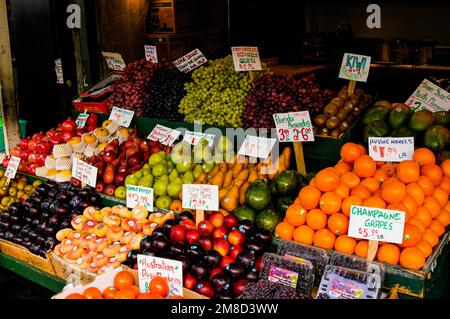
x=236 y=250
x=177 y=233
x=100 y=187
x=192 y=237
x=205 y=288
x=15 y=152
x=24 y=154
x=38 y=136
x=135 y=160
x=226 y=261
x=79 y=133
x=92 y=119
x=32 y=145
x=144 y=145
x=188 y=224
x=43 y=147
x=231 y=222
x=41 y=159
x=189 y=281
x=32 y=169
x=220 y=232
x=69 y=125
x=23 y=144
x=146 y=156
x=135 y=169
x=222 y=247
x=132 y=150
x=216 y=219
x=239 y=287
x=55 y=140
x=5 y=162
x=214 y=272
x=110 y=190
x=206 y=242
x=109 y=156
x=32 y=158
x=236 y=238
x=119 y=180
x=67 y=136
x=205 y=227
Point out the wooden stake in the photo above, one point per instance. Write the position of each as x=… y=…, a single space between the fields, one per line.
x=372 y=250
x=300 y=158
x=199 y=217
x=8 y=181
x=252 y=76
x=351 y=87
x=85 y=111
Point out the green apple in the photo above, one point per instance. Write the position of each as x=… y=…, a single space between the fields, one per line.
x=146 y=171
x=146 y=166
x=163 y=202
x=208 y=166
x=156 y=158
x=198 y=170
x=131 y=180
x=188 y=178
x=159 y=170
x=184 y=167
x=178 y=180
x=170 y=164
x=121 y=192
x=139 y=174
x=160 y=188
x=146 y=181
x=174 y=189
x=173 y=175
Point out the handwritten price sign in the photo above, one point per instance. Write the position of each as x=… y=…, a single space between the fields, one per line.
x=391 y=149
x=190 y=61
x=194 y=138
x=59 y=71
x=81 y=120
x=259 y=147
x=140 y=196
x=151 y=54
x=163 y=134
x=294 y=127
x=201 y=197
x=114 y=61
x=84 y=172
x=121 y=116
x=355 y=67
x=429 y=96
x=12 y=168
x=246 y=59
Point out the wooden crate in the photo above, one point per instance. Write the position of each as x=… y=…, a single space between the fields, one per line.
x=70 y=272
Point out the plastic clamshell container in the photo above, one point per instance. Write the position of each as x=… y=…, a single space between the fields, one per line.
x=343 y=283
x=357 y=263
x=290 y=272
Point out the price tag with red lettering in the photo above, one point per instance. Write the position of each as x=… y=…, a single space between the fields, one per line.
x=294 y=127
x=140 y=196
x=391 y=149
x=151 y=54
x=259 y=147
x=201 y=197
x=163 y=134
x=429 y=96
x=376 y=224
x=84 y=172
x=81 y=120
x=194 y=138
x=121 y=116
x=114 y=61
x=246 y=59
x=12 y=168
x=355 y=67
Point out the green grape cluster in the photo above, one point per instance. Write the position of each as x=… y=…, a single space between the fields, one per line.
x=217 y=93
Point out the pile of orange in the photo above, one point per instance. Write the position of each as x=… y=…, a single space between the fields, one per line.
x=420 y=188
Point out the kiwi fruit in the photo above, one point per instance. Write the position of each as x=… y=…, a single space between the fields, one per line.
x=354 y=98
x=336 y=133
x=349 y=106
x=320 y=120
x=342 y=114
x=338 y=101
x=344 y=126
x=343 y=94
x=332 y=123
x=356 y=111
x=350 y=119
x=324 y=131
x=330 y=110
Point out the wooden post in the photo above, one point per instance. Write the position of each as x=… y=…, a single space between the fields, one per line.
x=300 y=158
x=351 y=87
x=199 y=217
x=252 y=76
x=372 y=250
x=7 y=94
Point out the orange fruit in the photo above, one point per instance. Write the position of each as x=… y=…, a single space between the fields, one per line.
x=365 y=166
x=109 y=292
x=418 y=223
x=92 y=293
x=444 y=218
x=424 y=156
x=426 y=184
x=425 y=248
x=374 y=202
x=441 y=195
x=123 y=279
x=75 y=296
x=159 y=286
x=362 y=192
x=284 y=230
x=412 y=258
x=303 y=235
x=445 y=184
x=345 y=244
x=447 y=207
x=424 y=216
x=133 y=289
x=349 y=202
x=342 y=191
x=388 y=169
x=338 y=224
x=437 y=228
x=445 y=166
x=309 y=197
x=350 y=152
x=316 y=219
x=350 y=179
x=296 y=215
x=389 y=253
x=416 y=192
x=433 y=172
x=313 y=182
x=430 y=237
x=411 y=236
x=342 y=167
x=393 y=192
x=411 y=205
x=324 y=239
x=362 y=248
x=124 y=294
x=408 y=172
x=432 y=205
x=362 y=149
x=380 y=176
x=327 y=180
x=148 y=295
x=330 y=203
x=371 y=183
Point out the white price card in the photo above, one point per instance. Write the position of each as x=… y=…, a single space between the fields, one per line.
x=114 y=61
x=81 y=120
x=151 y=54
x=12 y=168
x=391 y=149
x=194 y=138
x=151 y=267
x=294 y=127
x=140 y=196
x=259 y=147
x=355 y=67
x=59 y=71
x=190 y=61
x=376 y=224
x=84 y=172
x=429 y=96
x=165 y=135
x=201 y=197
x=121 y=116
x=246 y=59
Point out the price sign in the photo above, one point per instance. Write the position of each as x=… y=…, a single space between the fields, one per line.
x=377 y=224
x=246 y=59
x=163 y=134
x=151 y=54
x=59 y=71
x=201 y=197
x=194 y=138
x=81 y=120
x=355 y=67
x=294 y=127
x=190 y=61
x=115 y=61
x=121 y=116
x=259 y=147
x=12 y=168
x=151 y=267
x=84 y=172
x=140 y=196
x=429 y=96
x=391 y=149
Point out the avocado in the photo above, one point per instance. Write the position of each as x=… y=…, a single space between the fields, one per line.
x=437 y=138
x=375 y=129
x=442 y=118
x=375 y=113
x=400 y=115
x=421 y=120
x=403 y=131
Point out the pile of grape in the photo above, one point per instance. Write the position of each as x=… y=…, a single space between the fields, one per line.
x=216 y=95
x=264 y=289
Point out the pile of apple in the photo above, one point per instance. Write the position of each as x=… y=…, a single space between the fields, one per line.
x=101 y=239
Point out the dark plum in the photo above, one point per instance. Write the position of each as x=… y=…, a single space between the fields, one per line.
x=235 y=271
x=246 y=259
x=212 y=258
x=168 y=225
x=160 y=243
x=186 y=215
x=221 y=283
x=256 y=246
x=195 y=252
x=200 y=271
x=178 y=248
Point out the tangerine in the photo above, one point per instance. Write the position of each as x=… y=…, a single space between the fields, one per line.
x=410 y=205
x=159 y=286
x=432 y=205
x=327 y=180
x=350 y=179
x=374 y=202
x=380 y=176
x=124 y=294
x=284 y=230
x=441 y=195
x=426 y=184
x=371 y=183
x=109 y=292
x=309 y=197
x=445 y=184
x=388 y=169
x=445 y=166
x=324 y=239
x=123 y=279
x=349 y=202
x=342 y=191
x=345 y=244
x=296 y=215
x=444 y=218
x=393 y=192
x=338 y=224
x=330 y=203
x=362 y=248
x=408 y=172
x=365 y=166
x=418 y=223
x=92 y=293
x=433 y=172
x=316 y=219
x=350 y=152
x=416 y=192
x=412 y=258
x=425 y=248
x=303 y=235
x=389 y=253
x=411 y=236
x=362 y=192
x=342 y=167
x=424 y=216
x=430 y=237
x=424 y=156
x=437 y=228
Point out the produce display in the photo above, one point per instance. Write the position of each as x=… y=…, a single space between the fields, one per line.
x=19 y=189
x=265 y=289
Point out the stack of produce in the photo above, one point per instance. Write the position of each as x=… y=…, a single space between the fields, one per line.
x=132 y=90
x=216 y=95
x=340 y=113
x=419 y=187
x=280 y=94
x=265 y=289
x=34 y=222
x=19 y=189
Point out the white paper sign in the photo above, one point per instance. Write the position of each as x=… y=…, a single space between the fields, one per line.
x=259 y=147
x=391 y=149
x=140 y=196
x=121 y=116
x=151 y=54
x=201 y=197
x=429 y=96
x=114 y=61
x=165 y=135
x=246 y=59
x=190 y=61
x=59 y=71
x=84 y=172
x=376 y=224
x=81 y=120
x=355 y=67
x=294 y=127
x=151 y=267
x=194 y=138
x=12 y=168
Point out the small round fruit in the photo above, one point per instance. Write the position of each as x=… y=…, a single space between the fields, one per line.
x=159 y=286
x=123 y=279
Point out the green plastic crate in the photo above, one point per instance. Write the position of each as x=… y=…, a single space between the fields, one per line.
x=22 y=128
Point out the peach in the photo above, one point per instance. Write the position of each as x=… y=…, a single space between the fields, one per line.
x=88 y=256
x=69 y=260
x=139 y=213
x=113 y=263
x=106 y=210
x=128 y=224
x=89 y=212
x=92 y=268
x=85 y=240
x=58 y=250
x=115 y=209
x=89 y=225
x=111 y=250
x=112 y=220
x=99 y=261
x=136 y=242
x=63 y=234
x=67 y=245
x=127 y=238
x=101 y=243
x=124 y=213
x=75 y=253
x=100 y=230
x=122 y=255
x=138 y=227
x=114 y=234
x=148 y=228
x=77 y=222
x=99 y=215
x=81 y=263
